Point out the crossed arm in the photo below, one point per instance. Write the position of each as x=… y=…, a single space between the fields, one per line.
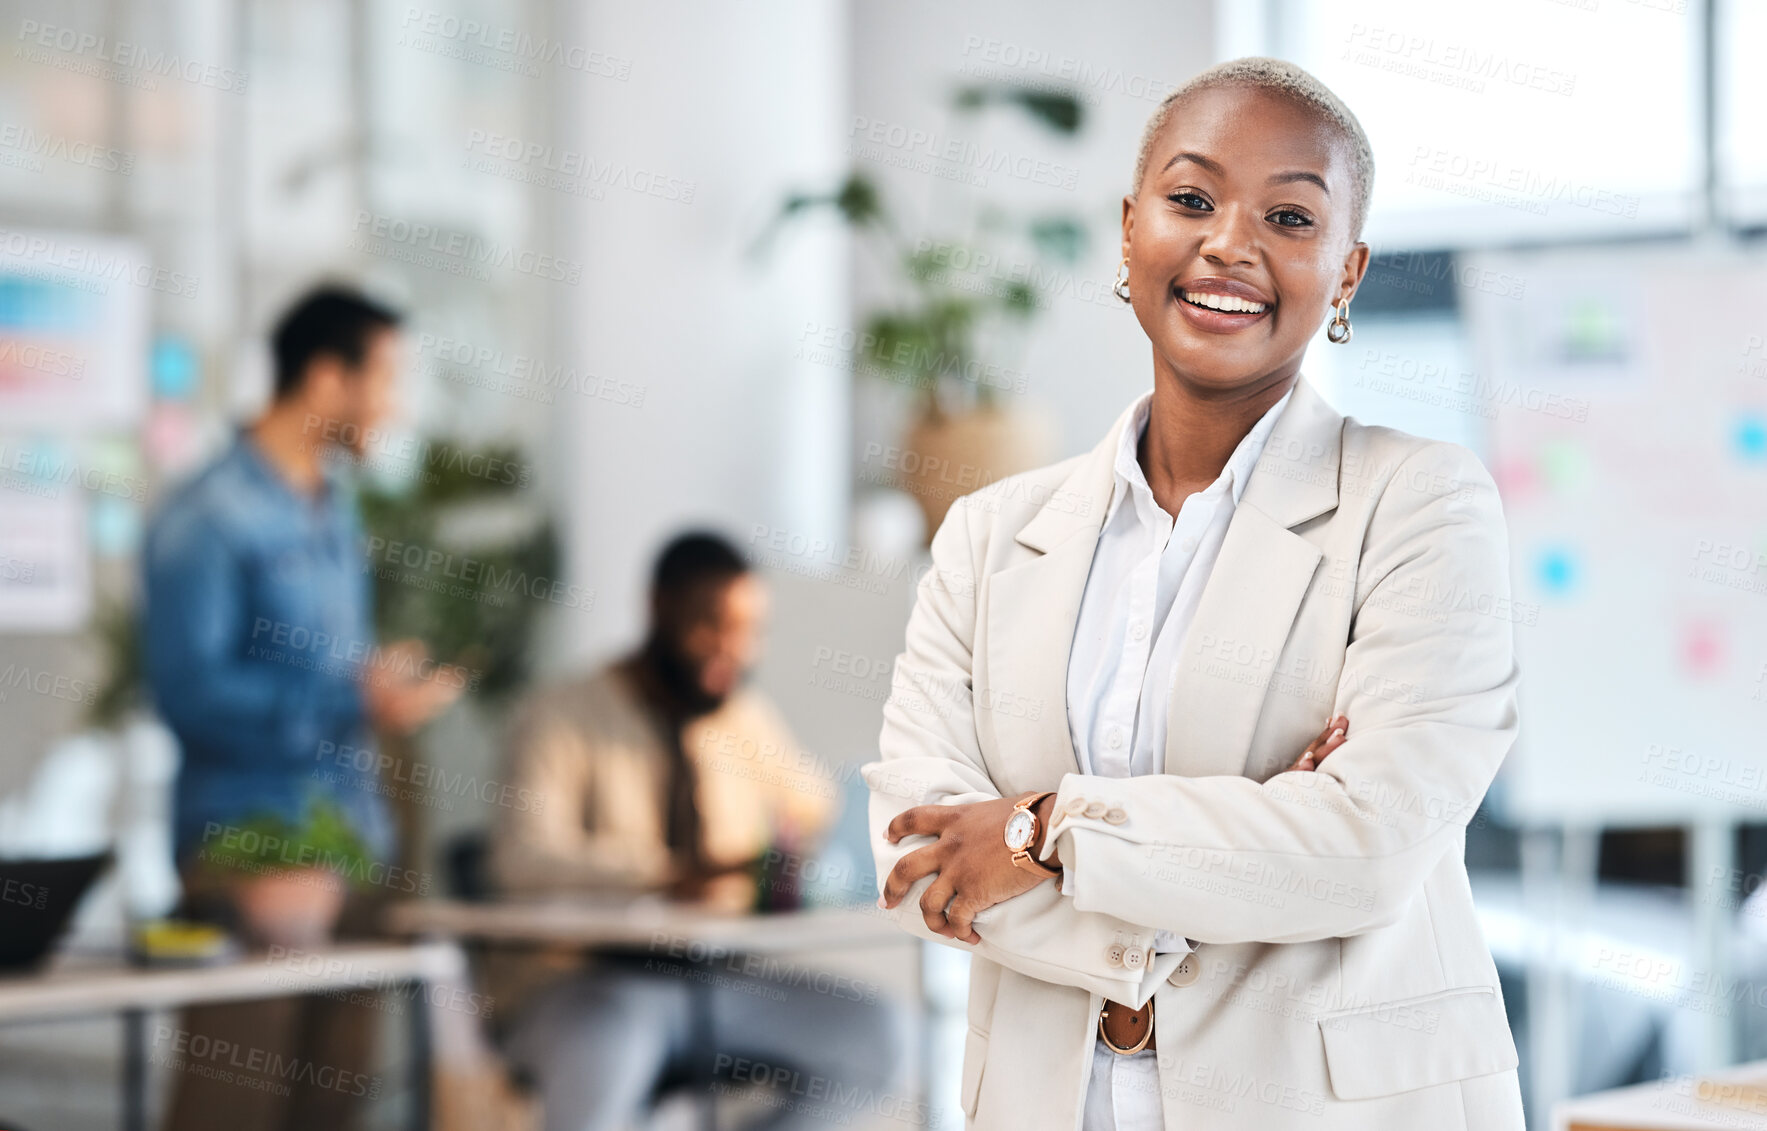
x=967 y=858
x=1351 y=843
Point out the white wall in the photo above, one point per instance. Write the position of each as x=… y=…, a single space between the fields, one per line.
x=747 y=104
x=737 y=430
x=1085 y=357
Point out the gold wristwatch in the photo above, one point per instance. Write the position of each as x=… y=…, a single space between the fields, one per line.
x=1022 y=829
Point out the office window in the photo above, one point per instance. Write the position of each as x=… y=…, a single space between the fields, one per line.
x=1515 y=119
x=1742 y=111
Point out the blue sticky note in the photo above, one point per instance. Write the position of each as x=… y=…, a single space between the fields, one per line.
x=172 y=367
x=1557 y=570
x=1751 y=436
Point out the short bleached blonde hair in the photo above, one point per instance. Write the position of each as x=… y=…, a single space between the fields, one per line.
x=1283 y=78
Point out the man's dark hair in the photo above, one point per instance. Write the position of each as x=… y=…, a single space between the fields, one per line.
x=693 y=558
x=682 y=586
x=329 y=319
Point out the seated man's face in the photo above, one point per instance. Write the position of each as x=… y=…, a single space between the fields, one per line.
x=723 y=641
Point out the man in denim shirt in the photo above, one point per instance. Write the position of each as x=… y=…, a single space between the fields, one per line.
x=258 y=628
x=257 y=615
x=258 y=636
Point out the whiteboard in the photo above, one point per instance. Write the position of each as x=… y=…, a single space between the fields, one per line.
x=1629 y=444
x=73 y=328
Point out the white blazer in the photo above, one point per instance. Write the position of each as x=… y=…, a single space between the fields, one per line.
x=1339 y=979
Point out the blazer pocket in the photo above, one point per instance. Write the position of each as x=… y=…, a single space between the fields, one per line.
x=1397 y=1046
x=975 y=1053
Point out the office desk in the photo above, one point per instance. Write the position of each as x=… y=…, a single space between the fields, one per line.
x=649 y=923
x=1678 y=1103
x=604 y=924
x=80 y=985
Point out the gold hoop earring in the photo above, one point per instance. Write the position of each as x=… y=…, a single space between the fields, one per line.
x=1338 y=329
x=1121 y=290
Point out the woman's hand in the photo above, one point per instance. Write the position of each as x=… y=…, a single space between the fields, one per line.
x=968 y=856
x=972 y=868
x=1333 y=736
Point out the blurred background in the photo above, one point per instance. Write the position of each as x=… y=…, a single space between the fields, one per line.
x=802 y=272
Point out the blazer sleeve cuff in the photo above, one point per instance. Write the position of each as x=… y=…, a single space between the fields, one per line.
x=1064 y=795
x=1069 y=814
x=1078 y=804
x=1167 y=942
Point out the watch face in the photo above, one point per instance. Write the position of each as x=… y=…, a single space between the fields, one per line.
x=1019 y=828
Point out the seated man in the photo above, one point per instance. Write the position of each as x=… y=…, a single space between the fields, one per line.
x=662 y=773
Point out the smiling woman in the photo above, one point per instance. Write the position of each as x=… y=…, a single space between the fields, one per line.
x=1189 y=903
x=1243 y=227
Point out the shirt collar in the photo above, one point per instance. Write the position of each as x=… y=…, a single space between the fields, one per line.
x=255 y=464
x=1129 y=480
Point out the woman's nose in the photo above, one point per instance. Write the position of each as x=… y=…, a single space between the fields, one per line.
x=1228 y=238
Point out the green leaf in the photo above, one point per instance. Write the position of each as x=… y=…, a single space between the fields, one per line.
x=1059 y=237
x=859 y=202
x=268 y=842
x=1060 y=112
x=1019 y=300
x=481 y=618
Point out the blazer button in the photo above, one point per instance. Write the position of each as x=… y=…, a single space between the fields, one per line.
x=1114 y=954
x=1186 y=972
x=1134 y=958
x=1075 y=805
x=1096 y=809
x=1115 y=815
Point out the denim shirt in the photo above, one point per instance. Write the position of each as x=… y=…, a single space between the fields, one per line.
x=256 y=621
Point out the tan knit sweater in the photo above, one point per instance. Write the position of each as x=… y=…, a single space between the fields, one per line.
x=587 y=782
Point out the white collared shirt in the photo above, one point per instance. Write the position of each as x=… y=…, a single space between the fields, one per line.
x=1147 y=575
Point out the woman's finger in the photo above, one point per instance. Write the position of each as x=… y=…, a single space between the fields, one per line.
x=920 y=862
x=921 y=820
x=1323 y=744
x=932 y=906
x=1331 y=725
x=1319 y=739
x=1339 y=735
x=961 y=916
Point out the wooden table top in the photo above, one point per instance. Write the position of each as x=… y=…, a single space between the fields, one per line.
x=646 y=922
x=77 y=984
x=1734 y=1099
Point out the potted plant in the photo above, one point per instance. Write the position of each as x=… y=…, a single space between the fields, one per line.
x=929 y=337
x=484 y=619
x=286 y=879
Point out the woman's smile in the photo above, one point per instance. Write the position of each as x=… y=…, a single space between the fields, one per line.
x=1222 y=306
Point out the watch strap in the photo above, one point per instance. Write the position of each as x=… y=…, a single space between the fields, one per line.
x=1023 y=858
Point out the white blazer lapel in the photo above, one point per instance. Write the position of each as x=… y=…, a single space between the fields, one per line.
x=1032 y=610
x=1253 y=593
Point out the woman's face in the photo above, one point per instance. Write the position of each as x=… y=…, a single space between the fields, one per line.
x=1246 y=194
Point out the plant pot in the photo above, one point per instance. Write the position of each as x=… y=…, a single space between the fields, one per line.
x=289 y=907
x=945 y=454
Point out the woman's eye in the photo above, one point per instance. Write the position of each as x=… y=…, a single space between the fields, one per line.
x=1188 y=199
x=1294 y=219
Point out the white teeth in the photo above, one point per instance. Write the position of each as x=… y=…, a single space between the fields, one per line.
x=1223 y=302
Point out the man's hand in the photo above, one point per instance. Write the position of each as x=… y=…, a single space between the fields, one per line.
x=688 y=887
x=404 y=689
x=973 y=869
x=692 y=883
